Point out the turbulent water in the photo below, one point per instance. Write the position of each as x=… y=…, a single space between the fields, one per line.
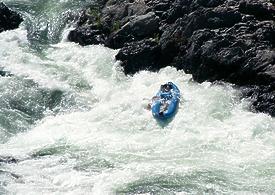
x=72 y=123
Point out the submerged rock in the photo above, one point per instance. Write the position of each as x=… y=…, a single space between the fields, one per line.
x=4 y=73
x=8 y=159
x=227 y=40
x=8 y=19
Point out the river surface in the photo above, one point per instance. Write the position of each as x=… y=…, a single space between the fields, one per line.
x=72 y=123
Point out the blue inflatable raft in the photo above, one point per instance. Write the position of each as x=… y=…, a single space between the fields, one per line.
x=165 y=103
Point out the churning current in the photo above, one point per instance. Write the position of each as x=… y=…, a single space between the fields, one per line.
x=71 y=122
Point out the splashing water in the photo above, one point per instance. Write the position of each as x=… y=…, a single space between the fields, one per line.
x=72 y=123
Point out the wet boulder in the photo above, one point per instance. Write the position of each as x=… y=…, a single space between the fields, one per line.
x=99 y=25
x=261 y=9
x=88 y=35
x=210 y=3
x=4 y=73
x=216 y=58
x=8 y=19
x=8 y=159
x=262 y=96
x=140 y=55
x=140 y=27
x=242 y=54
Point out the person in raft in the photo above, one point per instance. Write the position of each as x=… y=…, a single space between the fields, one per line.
x=164 y=96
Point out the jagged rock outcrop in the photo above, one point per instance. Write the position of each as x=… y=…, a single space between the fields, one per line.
x=8 y=19
x=228 y=40
x=145 y=54
x=138 y=28
x=104 y=25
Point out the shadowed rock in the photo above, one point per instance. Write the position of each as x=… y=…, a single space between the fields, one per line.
x=140 y=55
x=4 y=73
x=136 y=29
x=258 y=8
x=8 y=159
x=227 y=40
x=8 y=19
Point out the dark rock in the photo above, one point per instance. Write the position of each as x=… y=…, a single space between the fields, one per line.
x=214 y=58
x=210 y=18
x=4 y=73
x=87 y=36
x=140 y=55
x=159 y=6
x=96 y=25
x=8 y=19
x=171 y=40
x=242 y=56
x=227 y=40
x=260 y=9
x=90 y=29
x=259 y=68
x=8 y=159
x=210 y=3
x=263 y=97
x=177 y=10
x=136 y=29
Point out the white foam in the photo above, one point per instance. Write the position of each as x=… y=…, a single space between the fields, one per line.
x=211 y=129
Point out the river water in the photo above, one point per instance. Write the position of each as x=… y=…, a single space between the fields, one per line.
x=75 y=124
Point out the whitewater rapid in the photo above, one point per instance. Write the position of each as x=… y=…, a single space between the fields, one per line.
x=77 y=125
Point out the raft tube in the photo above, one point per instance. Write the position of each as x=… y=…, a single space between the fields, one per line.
x=172 y=98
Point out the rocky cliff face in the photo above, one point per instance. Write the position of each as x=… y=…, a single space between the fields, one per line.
x=8 y=19
x=228 y=40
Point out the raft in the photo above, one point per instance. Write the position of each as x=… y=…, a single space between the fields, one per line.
x=170 y=99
